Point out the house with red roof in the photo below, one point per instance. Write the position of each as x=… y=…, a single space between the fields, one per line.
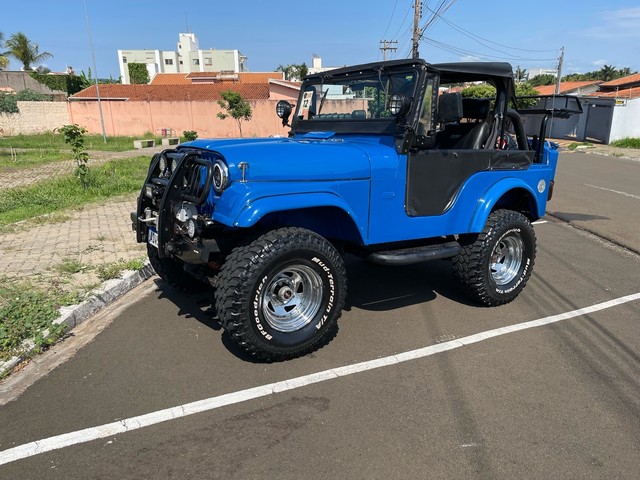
x=175 y=102
x=624 y=95
x=570 y=88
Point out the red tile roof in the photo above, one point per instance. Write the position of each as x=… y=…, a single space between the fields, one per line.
x=167 y=93
x=621 y=93
x=622 y=81
x=211 y=77
x=170 y=79
x=565 y=87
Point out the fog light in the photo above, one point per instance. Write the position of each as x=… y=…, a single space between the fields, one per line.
x=191 y=228
x=163 y=164
x=396 y=104
x=148 y=191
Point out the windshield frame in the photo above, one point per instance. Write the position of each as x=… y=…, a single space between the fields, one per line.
x=374 y=126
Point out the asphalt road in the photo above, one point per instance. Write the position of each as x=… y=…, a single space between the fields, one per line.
x=600 y=194
x=560 y=400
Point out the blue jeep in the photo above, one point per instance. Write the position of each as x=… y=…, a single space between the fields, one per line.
x=385 y=161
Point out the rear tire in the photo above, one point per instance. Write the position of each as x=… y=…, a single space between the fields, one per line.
x=495 y=265
x=280 y=296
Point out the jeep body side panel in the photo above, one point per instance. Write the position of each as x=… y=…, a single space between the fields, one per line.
x=468 y=210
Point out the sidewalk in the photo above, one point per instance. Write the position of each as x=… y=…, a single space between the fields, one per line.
x=46 y=250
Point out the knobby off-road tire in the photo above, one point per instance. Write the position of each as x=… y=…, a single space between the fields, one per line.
x=172 y=271
x=494 y=266
x=280 y=296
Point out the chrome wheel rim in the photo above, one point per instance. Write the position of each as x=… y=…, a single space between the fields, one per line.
x=292 y=298
x=506 y=259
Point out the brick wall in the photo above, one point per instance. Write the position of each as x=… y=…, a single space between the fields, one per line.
x=34 y=117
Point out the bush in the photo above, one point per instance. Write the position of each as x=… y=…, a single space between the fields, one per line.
x=190 y=135
x=9 y=101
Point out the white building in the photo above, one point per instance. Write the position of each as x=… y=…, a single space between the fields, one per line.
x=187 y=58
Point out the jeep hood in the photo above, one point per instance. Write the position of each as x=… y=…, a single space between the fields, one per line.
x=298 y=159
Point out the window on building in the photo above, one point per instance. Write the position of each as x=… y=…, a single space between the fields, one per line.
x=168 y=61
x=124 y=59
x=196 y=61
x=180 y=62
x=208 y=62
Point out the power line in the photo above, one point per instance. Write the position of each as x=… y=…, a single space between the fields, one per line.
x=474 y=36
x=390 y=18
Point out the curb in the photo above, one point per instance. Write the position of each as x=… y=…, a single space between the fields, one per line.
x=74 y=315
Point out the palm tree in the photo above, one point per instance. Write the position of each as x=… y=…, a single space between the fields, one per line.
x=4 y=61
x=24 y=50
x=607 y=73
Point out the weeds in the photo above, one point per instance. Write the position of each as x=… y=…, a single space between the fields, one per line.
x=28 y=313
x=574 y=145
x=113 y=270
x=627 y=143
x=70 y=266
x=51 y=140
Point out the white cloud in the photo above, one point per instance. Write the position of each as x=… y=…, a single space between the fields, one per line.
x=616 y=24
x=598 y=63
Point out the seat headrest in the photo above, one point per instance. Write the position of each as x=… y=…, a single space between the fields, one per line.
x=450 y=107
x=476 y=108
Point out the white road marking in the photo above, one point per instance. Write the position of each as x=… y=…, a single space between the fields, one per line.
x=153 y=418
x=614 y=191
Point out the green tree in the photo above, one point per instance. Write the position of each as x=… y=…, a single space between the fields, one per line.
x=4 y=61
x=294 y=71
x=24 y=50
x=74 y=136
x=520 y=74
x=236 y=108
x=608 y=73
x=543 y=79
x=138 y=73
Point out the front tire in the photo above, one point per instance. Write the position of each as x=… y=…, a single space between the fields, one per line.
x=495 y=265
x=280 y=296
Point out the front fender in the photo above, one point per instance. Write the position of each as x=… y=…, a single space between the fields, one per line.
x=493 y=195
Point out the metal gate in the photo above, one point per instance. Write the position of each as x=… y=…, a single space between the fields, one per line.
x=598 y=116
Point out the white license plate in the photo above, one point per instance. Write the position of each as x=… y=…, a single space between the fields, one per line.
x=152 y=237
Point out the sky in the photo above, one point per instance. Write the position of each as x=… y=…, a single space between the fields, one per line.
x=341 y=32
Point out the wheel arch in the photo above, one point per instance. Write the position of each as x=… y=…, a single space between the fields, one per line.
x=326 y=214
x=511 y=194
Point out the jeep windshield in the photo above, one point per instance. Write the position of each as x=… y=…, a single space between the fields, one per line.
x=354 y=101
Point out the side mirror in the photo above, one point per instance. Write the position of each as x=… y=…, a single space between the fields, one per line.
x=283 y=110
x=399 y=105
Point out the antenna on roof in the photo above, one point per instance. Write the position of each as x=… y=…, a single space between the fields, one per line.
x=186 y=20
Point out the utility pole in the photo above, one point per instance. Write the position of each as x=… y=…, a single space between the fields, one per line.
x=386 y=45
x=417 y=14
x=560 y=61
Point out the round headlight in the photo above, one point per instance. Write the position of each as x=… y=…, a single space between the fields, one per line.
x=220 y=176
x=162 y=164
x=173 y=165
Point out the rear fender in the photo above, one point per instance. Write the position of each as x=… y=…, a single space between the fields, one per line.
x=495 y=193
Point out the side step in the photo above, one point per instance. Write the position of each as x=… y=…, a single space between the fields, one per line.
x=407 y=256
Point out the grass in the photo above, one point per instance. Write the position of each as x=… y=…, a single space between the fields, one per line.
x=627 y=143
x=28 y=313
x=115 y=178
x=113 y=270
x=574 y=145
x=50 y=141
x=38 y=156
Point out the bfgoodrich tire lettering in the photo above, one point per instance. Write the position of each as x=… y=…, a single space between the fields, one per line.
x=280 y=296
x=495 y=265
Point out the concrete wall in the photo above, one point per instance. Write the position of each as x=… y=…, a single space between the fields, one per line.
x=136 y=118
x=626 y=120
x=34 y=117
